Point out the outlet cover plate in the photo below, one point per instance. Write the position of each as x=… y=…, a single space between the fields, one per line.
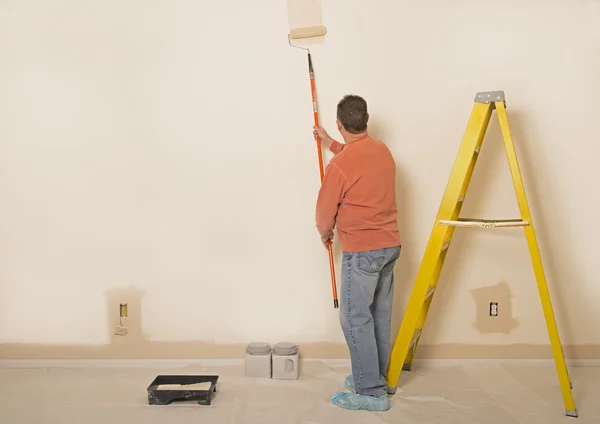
x=120 y=331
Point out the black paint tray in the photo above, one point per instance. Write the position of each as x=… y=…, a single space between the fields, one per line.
x=165 y=397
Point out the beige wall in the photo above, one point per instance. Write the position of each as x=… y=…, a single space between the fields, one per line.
x=160 y=153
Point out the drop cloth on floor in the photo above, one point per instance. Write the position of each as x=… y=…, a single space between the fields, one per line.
x=486 y=394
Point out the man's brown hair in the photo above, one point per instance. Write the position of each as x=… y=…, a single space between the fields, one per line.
x=352 y=113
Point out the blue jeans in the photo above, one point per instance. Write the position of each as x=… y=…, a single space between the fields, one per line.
x=365 y=314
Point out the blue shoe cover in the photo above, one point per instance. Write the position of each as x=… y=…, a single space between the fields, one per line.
x=356 y=402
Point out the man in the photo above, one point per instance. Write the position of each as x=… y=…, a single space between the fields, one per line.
x=358 y=196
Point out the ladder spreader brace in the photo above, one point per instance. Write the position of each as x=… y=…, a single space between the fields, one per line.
x=484 y=223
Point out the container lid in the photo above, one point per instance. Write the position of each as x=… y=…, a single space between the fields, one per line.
x=285 y=349
x=258 y=348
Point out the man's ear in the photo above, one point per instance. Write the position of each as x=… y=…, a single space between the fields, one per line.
x=368 y=116
x=339 y=124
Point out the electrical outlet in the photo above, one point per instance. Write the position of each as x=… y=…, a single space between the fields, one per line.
x=120 y=331
x=493 y=309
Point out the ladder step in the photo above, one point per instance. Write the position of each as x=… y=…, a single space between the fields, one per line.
x=485 y=223
x=430 y=292
x=415 y=338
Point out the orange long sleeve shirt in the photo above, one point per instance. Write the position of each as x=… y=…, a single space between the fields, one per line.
x=358 y=195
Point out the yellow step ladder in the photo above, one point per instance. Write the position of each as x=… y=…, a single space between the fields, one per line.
x=441 y=236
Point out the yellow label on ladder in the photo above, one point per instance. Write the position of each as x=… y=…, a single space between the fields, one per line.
x=441 y=237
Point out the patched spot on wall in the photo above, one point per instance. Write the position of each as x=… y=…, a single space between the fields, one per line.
x=494 y=309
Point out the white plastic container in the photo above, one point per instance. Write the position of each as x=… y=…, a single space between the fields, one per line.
x=258 y=360
x=285 y=361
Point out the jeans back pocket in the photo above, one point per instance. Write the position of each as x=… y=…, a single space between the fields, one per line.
x=371 y=261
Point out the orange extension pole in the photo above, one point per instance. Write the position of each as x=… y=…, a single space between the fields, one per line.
x=322 y=172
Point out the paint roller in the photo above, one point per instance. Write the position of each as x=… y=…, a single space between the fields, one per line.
x=307 y=32
x=303 y=33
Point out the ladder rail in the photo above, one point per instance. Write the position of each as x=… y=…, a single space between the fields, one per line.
x=536 y=260
x=453 y=197
x=425 y=310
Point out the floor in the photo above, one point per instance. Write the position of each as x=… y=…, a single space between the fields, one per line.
x=474 y=394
